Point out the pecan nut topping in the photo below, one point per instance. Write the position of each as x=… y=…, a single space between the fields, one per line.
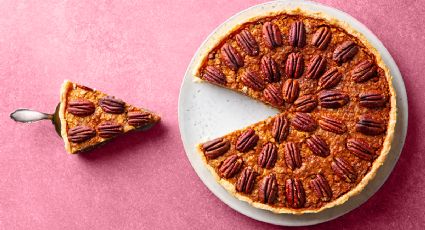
x=273 y=95
x=270 y=69
x=109 y=129
x=230 y=166
x=330 y=79
x=80 y=134
x=268 y=189
x=290 y=90
x=231 y=57
x=372 y=99
x=333 y=125
x=252 y=80
x=318 y=146
x=214 y=75
x=360 y=148
x=344 y=170
x=81 y=107
x=294 y=191
x=297 y=34
x=247 y=141
x=363 y=71
x=322 y=37
x=304 y=122
x=321 y=187
x=248 y=43
x=306 y=103
x=345 y=51
x=332 y=99
x=280 y=128
x=272 y=35
x=316 y=67
x=292 y=156
x=246 y=180
x=215 y=148
x=294 y=65
x=268 y=156
x=112 y=105
x=137 y=118
x=369 y=125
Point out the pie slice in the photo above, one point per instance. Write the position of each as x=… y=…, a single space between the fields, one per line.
x=89 y=117
x=337 y=111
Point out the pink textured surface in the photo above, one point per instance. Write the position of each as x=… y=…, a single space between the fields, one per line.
x=139 y=50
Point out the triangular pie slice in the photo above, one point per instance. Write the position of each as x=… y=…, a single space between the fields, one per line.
x=89 y=117
x=337 y=111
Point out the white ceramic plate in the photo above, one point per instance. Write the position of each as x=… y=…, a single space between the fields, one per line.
x=207 y=111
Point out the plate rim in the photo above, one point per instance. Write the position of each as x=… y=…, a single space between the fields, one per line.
x=401 y=95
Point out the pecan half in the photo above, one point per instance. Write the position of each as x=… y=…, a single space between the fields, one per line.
x=215 y=148
x=372 y=99
x=332 y=99
x=214 y=75
x=268 y=189
x=270 y=69
x=80 y=134
x=246 y=180
x=252 y=80
x=297 y=34
x=369 y=125
x=304 y=122
x=273 y=95
x=316 y=67
x=330 y=78
x=113 y=105
x=318 y=146
x=272 y=35
x=292 y=155
x=306 y=103
x=280 y=128
x=345 y=51
x=138 y=118
x=248 y=43
x=333 y=125
x=322 y=37
x=294 y=191
x=268 y=156
x=247 y=141
x=344 y=170
x=231 y=57
x=109 y=129
x=290 y=90
x=230 y=166
x=321 y=187
x=363 y=71
x=294 y=65
x=360 y=148
x=81 y=107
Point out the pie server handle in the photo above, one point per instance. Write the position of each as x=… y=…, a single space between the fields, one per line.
x=29 y=116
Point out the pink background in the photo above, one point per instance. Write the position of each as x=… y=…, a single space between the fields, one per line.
x=139 y=51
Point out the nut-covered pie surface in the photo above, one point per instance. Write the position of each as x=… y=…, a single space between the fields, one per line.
x=90 y=117
x=336 y=117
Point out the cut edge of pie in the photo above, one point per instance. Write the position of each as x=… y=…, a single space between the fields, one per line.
x=67 y=87
x=219 y=39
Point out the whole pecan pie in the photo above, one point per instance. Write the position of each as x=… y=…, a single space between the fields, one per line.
x=337 y=111
x=89 y=117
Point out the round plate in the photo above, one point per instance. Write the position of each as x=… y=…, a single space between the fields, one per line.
x=207 y=111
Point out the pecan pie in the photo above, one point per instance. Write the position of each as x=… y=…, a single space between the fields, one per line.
x=336 y=119
x=89 y=117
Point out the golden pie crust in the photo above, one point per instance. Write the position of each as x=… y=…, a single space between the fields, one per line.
x=71 y=91
x=211 y=56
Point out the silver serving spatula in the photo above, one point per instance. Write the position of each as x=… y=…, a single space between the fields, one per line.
x=29 y=116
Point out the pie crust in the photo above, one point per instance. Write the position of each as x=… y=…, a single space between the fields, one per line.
x=211 y=56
